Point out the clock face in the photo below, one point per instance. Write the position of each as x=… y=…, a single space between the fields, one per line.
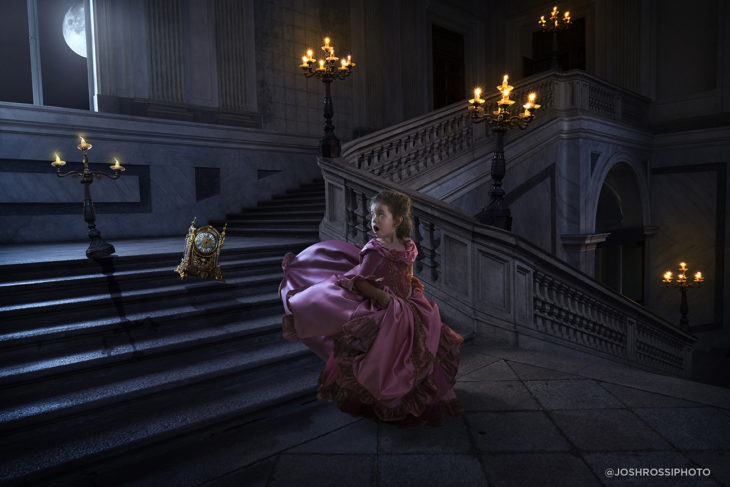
x=205 y=242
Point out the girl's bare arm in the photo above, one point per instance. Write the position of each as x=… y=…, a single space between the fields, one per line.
x=370 y=291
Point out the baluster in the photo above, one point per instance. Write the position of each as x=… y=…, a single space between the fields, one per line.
x=350 y=215
x=365 y=220
x=430 y=249
x=417 y=240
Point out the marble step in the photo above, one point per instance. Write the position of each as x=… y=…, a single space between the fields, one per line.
x=13 y=293
x=268 y=215
x=25 y=316
x=279 y=212
x=306 y=223
x=316 y=192
x=107 y=335
x=285 y=205
x=106 y=381
x=35 y=455
x=253 y=231
x=96 y=343
x=57 y=268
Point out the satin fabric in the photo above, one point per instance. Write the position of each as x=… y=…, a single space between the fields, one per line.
x=401 y=361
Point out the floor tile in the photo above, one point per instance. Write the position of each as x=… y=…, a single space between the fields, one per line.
x=324 y=471
x=517 y=431
x=498 y=370
x=636 y=398
x=430 y=470
x=537 y=469
x=572 y=394
x=690 y=428
x=450 y=437
x=533 y=372
x=360 y=437
x=607 y=430
x=501 y=395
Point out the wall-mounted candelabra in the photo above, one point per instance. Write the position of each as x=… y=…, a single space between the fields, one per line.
x=496 y=213
x=681 y=282
x=554 y=25
x=327 y=70
x=98 y=248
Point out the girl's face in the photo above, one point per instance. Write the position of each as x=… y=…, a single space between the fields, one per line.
x=382 y=222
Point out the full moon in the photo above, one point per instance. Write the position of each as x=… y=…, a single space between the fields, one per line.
x=74 y=29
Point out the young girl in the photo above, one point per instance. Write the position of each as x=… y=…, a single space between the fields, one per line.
x=388 y=355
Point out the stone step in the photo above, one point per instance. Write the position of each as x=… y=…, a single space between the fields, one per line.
x=294 y=200
x=31 y=455
x=284 y=205
x=80 y=352
x=13 y=293
x=272 y=214
x=305 y=223
x=311 y=192
x=103 y=382
x=271 y=231
x=25 y=316
x=58 y=268
x=108 y=333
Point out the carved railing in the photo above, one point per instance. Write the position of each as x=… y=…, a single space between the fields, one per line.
x=400 y=152
x=505 y=288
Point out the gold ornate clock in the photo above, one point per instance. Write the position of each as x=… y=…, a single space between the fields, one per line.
x=202 y=250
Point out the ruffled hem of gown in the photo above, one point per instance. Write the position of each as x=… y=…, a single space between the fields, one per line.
x=420 y=405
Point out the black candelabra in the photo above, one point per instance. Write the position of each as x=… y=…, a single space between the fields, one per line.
x=555 y=25
x=98 y=248
x=497 y=213
x=327 y=70
x=683 y=285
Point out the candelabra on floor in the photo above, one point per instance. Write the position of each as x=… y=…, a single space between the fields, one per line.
x=683 y=285
x=98 y=248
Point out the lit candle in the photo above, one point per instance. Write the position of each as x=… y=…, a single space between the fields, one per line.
x=116 y=166
x=58 y=162
x=321 y=64
x=698 y=277
x=477 y=92
x=326 y=46
x=309 y=54
x=84 y=145
x=668 y=276
x=683 y=266
x=344 y=64
x=567 y=16
x=305 y=63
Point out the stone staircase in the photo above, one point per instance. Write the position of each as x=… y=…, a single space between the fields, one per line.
x=101 y=359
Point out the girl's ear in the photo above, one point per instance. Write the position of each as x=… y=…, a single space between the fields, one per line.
x=400 y=220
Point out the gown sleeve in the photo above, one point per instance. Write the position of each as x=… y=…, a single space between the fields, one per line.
x=366 y=269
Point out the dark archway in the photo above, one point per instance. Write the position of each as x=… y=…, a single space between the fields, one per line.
x=620 y=259
x=448 y=67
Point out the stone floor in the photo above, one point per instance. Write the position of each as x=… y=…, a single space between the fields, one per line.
x=532 y=419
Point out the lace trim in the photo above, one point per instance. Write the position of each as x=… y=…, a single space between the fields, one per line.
x=418 y=405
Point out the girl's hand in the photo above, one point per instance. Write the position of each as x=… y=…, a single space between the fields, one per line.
x=383 y=300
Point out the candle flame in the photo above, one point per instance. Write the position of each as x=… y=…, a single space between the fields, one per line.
x=567 y=13
x=82 y=140
x=304 y=59
x=477 y=92
x=327 y=41
x=58 y=159
x=531 y=97
x=321 y=63
x=309 y=53
x=505 y=78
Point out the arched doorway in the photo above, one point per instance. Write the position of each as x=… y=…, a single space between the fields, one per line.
x=620 y=259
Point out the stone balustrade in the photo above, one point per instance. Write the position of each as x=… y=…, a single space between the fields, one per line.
x=507 y=289
x=401 y=152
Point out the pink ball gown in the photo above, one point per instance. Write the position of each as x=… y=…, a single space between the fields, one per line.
x=396 y=364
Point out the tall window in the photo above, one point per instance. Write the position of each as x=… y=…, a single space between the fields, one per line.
x=448 y=67
x=49 y=53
